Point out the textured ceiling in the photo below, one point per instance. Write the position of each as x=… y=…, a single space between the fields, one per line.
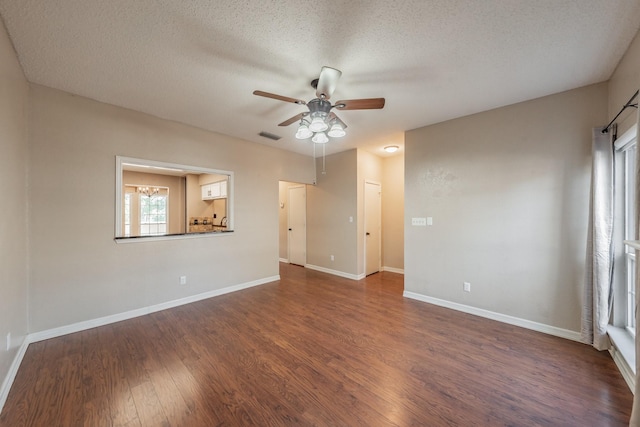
x=198 y=61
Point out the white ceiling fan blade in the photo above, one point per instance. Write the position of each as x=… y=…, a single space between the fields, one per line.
x=327 y=82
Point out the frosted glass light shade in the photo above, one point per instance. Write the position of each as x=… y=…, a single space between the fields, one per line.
x=318 y=125
x=320 y=138
x=337 y=131
x=303 y=132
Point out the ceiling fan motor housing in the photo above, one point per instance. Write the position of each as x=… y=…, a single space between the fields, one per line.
x=319 y=108
x=319 y=111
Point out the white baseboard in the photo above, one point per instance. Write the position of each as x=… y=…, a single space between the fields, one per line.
x=336 y=272
x=393 y=270
x=528 y=324
x=624 y=368
x=101 y=321
x=623 y=353
x=285 y=260
x=13 y=370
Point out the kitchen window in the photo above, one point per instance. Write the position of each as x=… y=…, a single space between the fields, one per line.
x=153 y=215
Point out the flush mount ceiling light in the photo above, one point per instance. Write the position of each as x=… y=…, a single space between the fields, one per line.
x=315 y=122
x=391 y=148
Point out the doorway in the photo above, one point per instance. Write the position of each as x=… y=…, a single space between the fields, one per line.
x=297 y=225
x=372 y=227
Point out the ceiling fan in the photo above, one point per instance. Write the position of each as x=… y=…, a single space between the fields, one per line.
x=319 y=119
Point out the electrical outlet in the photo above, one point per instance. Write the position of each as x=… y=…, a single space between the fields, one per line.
x=466 y=287
x=421 y=222
x=183 y=280
x=8 y=341
x=332 y=258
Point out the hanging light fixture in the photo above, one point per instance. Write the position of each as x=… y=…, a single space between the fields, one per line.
x=303 y=131
x=320 y=138
x=318 y=129
x=319 y=118
x=318 y=124
x=146 y=191
x=336 y=131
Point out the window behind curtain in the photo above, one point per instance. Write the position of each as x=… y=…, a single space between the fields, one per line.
x=626 y=152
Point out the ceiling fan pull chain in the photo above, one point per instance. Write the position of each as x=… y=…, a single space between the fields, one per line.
x=324 y=172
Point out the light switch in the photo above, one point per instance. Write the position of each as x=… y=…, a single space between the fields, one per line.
x=429 y=220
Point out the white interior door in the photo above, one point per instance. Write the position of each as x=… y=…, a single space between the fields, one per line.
x=297 y=225
x=372 y=227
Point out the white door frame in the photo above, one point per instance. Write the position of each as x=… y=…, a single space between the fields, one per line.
x=289 y=223
x=379 y=231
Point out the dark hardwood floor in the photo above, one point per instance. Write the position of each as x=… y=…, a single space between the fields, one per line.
x=315 y=349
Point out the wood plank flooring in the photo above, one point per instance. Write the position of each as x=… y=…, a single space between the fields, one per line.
x=315 y=349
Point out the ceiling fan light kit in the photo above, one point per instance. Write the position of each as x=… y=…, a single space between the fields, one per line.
x=315 y=123
x=318 y=125
x=320 y=138
x=336 y=131
x=303 y=132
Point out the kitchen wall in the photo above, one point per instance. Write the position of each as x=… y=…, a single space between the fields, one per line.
x=508 y=191
x=14 y=92
x=393 y=213
x=196 y=207
x=77 y=271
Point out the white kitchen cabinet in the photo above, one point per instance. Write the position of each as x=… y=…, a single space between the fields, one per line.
x=206 y=191
x=215 y=190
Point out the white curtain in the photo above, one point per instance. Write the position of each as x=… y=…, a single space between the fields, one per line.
x=597 y=301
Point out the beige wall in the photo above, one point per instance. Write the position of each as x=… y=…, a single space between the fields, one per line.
x=14 y=92
x=196 y=207
x=508 y=193
x=77 y=271
x=338 y=197
x=330 y=203
x=624 y=82
x=393 y=212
